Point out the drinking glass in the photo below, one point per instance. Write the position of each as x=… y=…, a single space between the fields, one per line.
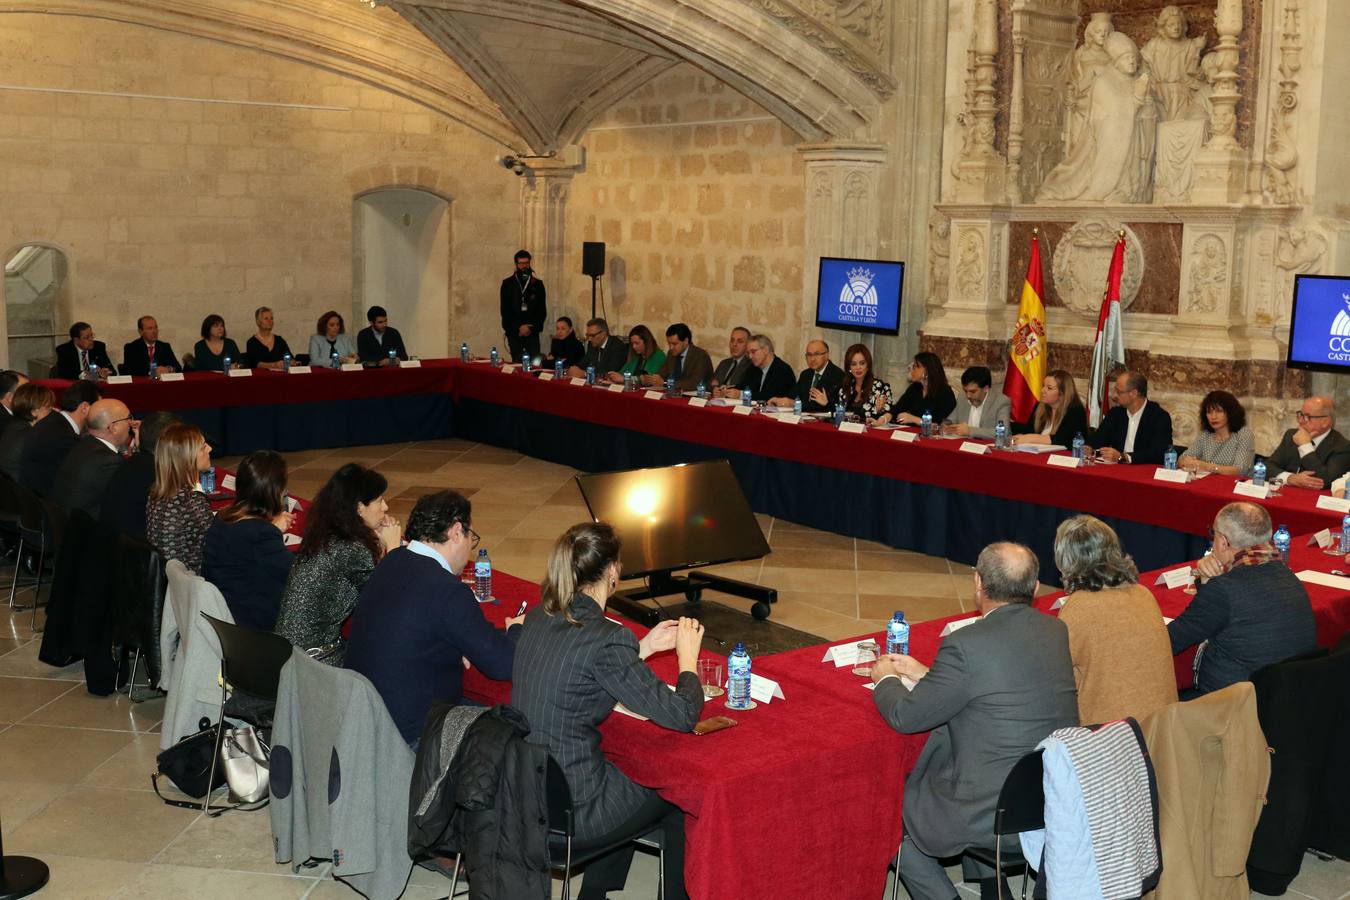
x=867 y=655
x=710 y=676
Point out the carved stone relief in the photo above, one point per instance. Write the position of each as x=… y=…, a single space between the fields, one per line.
x=939 y=257
x=1281 y=157
x=841 y=28
x=1299 y=251
x=1082 y=257
x=970 y=264
x=1208 y=275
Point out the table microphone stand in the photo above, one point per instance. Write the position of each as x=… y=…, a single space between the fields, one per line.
x=20 y=875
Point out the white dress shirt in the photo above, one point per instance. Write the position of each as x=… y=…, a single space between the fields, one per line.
x=1304 y=451
x=422 y=549
x=973 y=420
x=1133 y=428
x=70 y=421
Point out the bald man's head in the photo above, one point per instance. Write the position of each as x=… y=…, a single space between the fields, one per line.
x=111 y=421
x=817 y=355
x=1317 y=416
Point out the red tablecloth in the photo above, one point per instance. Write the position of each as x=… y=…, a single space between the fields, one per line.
x=1128 y=492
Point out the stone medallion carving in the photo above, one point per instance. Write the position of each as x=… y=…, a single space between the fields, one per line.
x=1082 y=259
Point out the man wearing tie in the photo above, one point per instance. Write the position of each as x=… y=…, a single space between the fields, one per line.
x=690 y=366
x=730 y=370
x=819 y=382
x=136 y=355
x=767 y=377
x=74 y=357
x=523 y=302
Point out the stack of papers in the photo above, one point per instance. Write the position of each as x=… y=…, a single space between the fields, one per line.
x=1039 y=448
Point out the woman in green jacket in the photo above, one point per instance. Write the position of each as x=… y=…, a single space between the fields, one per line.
x=643 y=356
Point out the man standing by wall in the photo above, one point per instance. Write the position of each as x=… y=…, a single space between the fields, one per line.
x=523 y=308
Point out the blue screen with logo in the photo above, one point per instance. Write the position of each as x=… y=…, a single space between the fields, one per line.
x=859 y=295
x=1319 y=326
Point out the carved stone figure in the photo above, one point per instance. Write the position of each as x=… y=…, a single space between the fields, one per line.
x=939 y=257
x=1085 y=64
x=1209 y=268
x=1174 y=63
x=1112 y=160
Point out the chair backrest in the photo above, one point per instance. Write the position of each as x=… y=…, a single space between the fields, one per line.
x=559 y=799
x=31 y=512
x=9 y=499
x=250 y=660
x=1021 y=801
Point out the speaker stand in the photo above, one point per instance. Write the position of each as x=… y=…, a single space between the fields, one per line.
x=595 y=279
x=20 y=875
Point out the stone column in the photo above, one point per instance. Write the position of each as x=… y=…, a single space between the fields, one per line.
x=981 y=171
x=544 y=190
x=843 y=218
x=1221 y=164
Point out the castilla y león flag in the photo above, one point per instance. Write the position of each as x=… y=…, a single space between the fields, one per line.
x=1028 y=347
x=1108 y=350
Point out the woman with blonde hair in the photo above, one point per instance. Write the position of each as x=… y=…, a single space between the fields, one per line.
x=1122 y=656
x=572 y=665
x=177 y=513
x=1058 y=417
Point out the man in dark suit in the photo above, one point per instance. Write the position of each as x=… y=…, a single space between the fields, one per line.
x=690 y=366
x=89 y=466
x=1314 y=454
x=376 y=340
x=997 y=688
x=136 y=355
x=74 y=357
x=524 y=306
x=819 y=383
x=53 y=438
x=1136 y=429
x=123 y=504
x=416 y=622
x=767 y=377
x=730 y=370
x=10 y=381
x=1250 y=612
x=566 y=348
x=603 y=351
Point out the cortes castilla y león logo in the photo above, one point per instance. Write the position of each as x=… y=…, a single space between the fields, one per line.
x=1338 y=344
x=858 y=297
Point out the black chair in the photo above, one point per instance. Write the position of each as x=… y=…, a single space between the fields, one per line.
x=250 y=661
x=41 y=528
x=138 y=606
x=1021 y=807
x=562 y=831
x=9 y=524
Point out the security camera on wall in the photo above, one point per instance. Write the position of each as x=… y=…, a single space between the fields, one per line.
x=512 y=163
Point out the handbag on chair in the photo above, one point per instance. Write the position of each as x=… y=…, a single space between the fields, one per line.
x=188 y=765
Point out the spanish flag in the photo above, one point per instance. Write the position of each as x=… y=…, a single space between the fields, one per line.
x=1027 y=350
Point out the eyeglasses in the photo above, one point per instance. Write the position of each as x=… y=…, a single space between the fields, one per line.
x=817 y=352
x=1302 y=416
x=591 y=334
x=477 y=538
x=131 y=419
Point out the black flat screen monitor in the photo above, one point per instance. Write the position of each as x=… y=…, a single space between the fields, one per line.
x=676 y=517
x=859 y=295
x=1319 y=323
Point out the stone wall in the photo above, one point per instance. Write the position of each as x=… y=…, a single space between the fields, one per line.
x=698 y=195
x=240 y=195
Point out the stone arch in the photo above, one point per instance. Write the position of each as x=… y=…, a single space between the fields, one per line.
x=61 y=304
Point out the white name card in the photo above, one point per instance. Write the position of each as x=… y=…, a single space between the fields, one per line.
x=1247 y=489
x=357 y=367
x=507 y=369
x=1335 y=504
x=972 y=447
x=119 y=379
x=545 y=376
x=1064 y=462
x=762 y=689
x=790 y=418
x=1059 y=603
x=290 y=540
x=616 y=389
x=292 y=504
x=904 y=679
x=410 y=364
x=240 y=373
x=1176 y=476
x=1175 y=578
x=843 y=654
x=853 y=428
x=698 y=401
x=1321 y=539
x=227 y=483
x=579 y=381
x=653 y=395
x=1326 y=579
x=300 y=370
x=171 y=376
x=908 y=437
x=742 y=410
x=958 y=625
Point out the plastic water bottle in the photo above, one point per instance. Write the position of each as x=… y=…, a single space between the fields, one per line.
x=1078 y=445
x=797 y=406
x=926 y=424
x=590 y=374
x=154 y=370
x=747 y=397
x=393 y=357
x=285 y=362
x=897 y=634
x=334 y=361
x=627 y=382
x=225 y=363
x=738 y=678
x=482 y=576
x=1345 y=534
x=495 y=357
x=93 y=371
x=525 y=361
x=558 y=369
x=1001 y=435
x=838 y=414
x=1282 y=543
x=209 y=480
x=702 y=391
x=670 y=387
x=1259 y=473
x=1170 y=459
x=464 y=352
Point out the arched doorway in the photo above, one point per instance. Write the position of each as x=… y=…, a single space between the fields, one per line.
x=37 y=284
x=401 y=261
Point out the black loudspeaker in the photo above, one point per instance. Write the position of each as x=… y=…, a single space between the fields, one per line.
x=593 y=258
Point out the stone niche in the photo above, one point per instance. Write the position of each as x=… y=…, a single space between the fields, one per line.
x=1189 y=132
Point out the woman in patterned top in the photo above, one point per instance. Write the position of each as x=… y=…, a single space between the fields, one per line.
x=1225 y=443
x=348 y=530
x=863 y=393
x=177 y=512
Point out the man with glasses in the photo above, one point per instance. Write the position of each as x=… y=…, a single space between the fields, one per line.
x=1314 y=454
x=91 y=463
x=1136 y=429
x=767 y=377
x=523 y=308
x=604 y=352
x=818 y=385
x=1250 y=611
x=417 y=626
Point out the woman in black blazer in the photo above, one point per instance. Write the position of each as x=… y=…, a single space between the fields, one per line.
x=928 y=392
x=1058 y=418
x=245 y=555
x=572 y=665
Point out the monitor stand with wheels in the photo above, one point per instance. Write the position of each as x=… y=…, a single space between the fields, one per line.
x=692 y=585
